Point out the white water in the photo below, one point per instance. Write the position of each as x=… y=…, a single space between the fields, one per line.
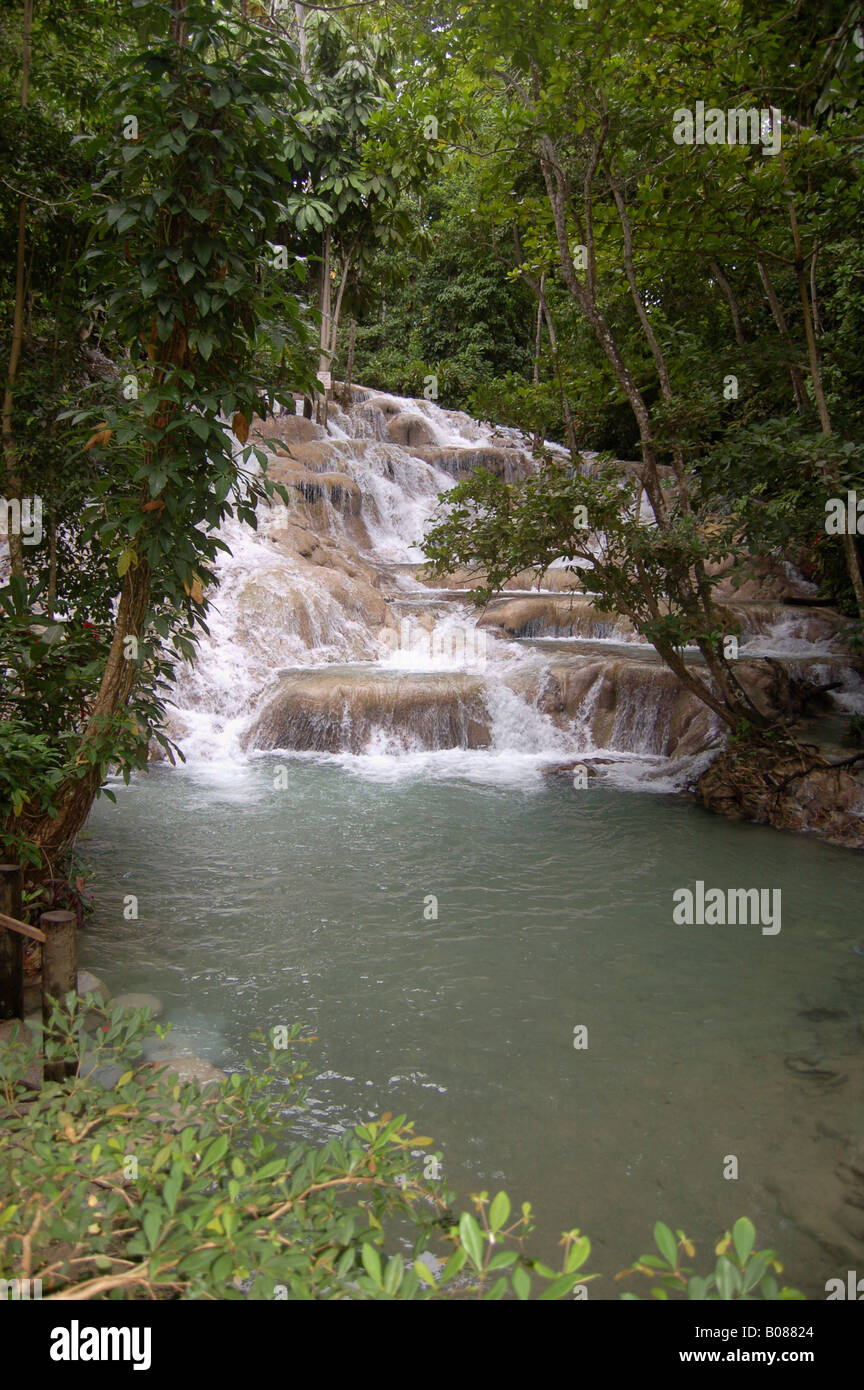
x=276 y=610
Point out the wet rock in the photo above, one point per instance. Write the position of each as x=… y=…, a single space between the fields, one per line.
x=192 y=1069
x=460 y=461
x=764 y=579
x=290 y=429
x=91 y=988
x=407 y=428
x=627 y=705
x=799 y=791
x=336 y=709
x=383 y=404
x=337 y=489
x=553 y=616
x=106 y=1076
x=318 y=456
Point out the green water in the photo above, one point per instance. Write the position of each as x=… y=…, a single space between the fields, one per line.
x=260 y=906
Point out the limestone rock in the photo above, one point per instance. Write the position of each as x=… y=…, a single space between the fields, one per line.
x=333 y=709
x=408 y=428
x=91 y=988
x=799 y=792
x=193 y=1069
x=291 y=429
x=552 y=616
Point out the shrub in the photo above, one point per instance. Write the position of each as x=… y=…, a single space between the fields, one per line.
x=130 y=1184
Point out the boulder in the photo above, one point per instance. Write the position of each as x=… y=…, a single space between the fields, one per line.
x=291 y=429
x=800 y=791
x=551 y=616
x=337 y=489
x=192 y=1069
x=407 y=428
x=633 y=706
x=344 y=710
x=134 y=1000
x=460 y=461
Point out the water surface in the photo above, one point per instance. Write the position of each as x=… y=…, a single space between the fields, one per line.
x=263 y=904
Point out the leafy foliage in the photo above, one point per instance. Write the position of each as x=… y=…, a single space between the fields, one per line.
x=125 y=1181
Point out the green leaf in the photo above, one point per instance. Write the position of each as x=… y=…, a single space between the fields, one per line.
x=453 y=1265
x=558 y=1288
x=214 y=1154
x=743 y=1238
x=497 y=1291
x=152 y=1224
x=471 y=1239
x=727 y=1278
x=665 y=1242
x=198 y=425
x=424 y=1273
x=171 y=1189
x=503 y=1260
x=579 y=1252
x=393 y=1274
x=499 y=1211
x=371 y=1262
x=521 y=1280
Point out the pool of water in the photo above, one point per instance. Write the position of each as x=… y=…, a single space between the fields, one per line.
x=284 y=890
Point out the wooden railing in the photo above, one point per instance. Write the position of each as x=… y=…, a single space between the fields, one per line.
x=56 y=933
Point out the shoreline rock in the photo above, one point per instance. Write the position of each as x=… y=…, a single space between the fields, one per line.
x=799 y=791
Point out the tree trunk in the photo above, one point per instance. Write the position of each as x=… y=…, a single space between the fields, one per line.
x=538 y=343
x=850 y=550
x=325 y=328
x=782 y=328
x=349 y=368
x=53 y=836
x=732 y=300
x=12 y=480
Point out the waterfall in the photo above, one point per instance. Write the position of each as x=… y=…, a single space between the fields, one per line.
x=325 y=642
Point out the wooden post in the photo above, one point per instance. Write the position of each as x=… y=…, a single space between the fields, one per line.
x=11 y=945
x=59 y=976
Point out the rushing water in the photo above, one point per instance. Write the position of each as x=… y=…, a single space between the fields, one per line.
x=443 y=917
x=289 y=889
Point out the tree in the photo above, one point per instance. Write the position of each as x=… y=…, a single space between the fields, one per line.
x=587 y=103
x=181 y=270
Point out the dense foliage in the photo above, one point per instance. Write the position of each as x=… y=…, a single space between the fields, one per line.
x=129 y=1183
x=197 y=197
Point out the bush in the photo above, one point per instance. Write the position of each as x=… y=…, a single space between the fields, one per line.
x=136 y=1185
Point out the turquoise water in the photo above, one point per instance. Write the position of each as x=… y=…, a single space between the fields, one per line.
x=263 y=904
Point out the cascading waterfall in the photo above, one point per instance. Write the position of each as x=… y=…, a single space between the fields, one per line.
x=324 y=641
